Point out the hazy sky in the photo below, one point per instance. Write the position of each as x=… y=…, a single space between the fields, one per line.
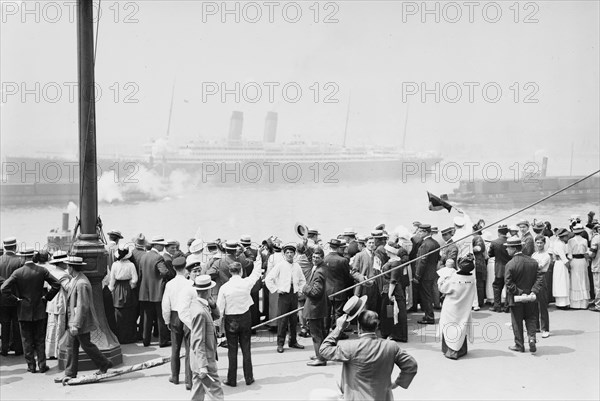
x=377 y=51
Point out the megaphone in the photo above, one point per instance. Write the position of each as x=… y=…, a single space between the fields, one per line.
x=301 y=230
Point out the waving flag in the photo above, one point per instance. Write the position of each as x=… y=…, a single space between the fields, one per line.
x=438 y=203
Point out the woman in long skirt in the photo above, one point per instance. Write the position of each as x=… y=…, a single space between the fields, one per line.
x=57 y=308
x=455 y=320
x=580 y=284
x=123 y=279
x=392 y=316
x=560 y=276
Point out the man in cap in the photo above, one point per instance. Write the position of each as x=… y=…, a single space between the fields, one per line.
x=11 y=336
x=25 y=288
x=526 y=237
x=315 y=308
x=172 y=304
x=368 y=361
x=501 y=257
x=337 y=277
x=362 y=269
x=234 y=303
x=287 y=280
x=480 y=254
x=523 y=277
x=81 y=321
x=153 y=271
x=448 y=255
x=218 y=269
x=350 y=236
x=425 y=272
x=203 y=343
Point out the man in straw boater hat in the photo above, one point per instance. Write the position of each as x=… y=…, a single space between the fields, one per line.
x=25 y=287
x=203 y=343
x=523 y=282
x=368 y=361
x=81 y=321
x=11 y=336
x=287 y=280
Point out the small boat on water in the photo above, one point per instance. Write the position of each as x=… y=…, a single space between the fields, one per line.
x=527 y=189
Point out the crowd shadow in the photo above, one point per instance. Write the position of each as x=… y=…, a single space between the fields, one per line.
x=567 y=332
x=553 y=350
x=488 y=353
x=242 y=387
x=9 y=380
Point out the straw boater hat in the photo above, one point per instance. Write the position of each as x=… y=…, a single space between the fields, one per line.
x=354 y=306
x=377 y=234
x=447 y=230
x=230 y=245
x=578 y=228
x=203 y=282
x=349 y=231
x=26 y=253
x=513 y=241
x=58 y=257
x=75 y=261
x=313 y=232
x=196 y=246
x=9 y=241
x=522 y=222
x=158 y=241
x=336 y=243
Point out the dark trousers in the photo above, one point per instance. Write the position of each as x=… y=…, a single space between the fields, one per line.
x=426 y=295
x=11 y=335
x=237 y=331
x=317 y=332
x=548 y=280
x=254 y=311
x=73 y=343
x=542 y=300
x=336 y=309
x=498 y=285
x=480 y=290
x=523 y=312
x=265 y=302
x=153 y=312
x=33 y=335
x=396 y=332
x=287 y=302
x=188 y=369
x=177 y=339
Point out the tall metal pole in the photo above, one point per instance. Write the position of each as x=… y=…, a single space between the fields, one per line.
x=88 y=244
x=347 y=118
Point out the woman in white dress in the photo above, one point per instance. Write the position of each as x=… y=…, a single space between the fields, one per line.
x=57 y=308
x=123 y=279
x=580 y=285
x=560 y=276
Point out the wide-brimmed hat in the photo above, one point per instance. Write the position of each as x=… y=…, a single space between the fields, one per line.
x=562 y=232
x=9 y=241
x=196 y=246
x=172 y=241
x=539 y=226
x=203 y=282
x=513 y=241
x=116 y=233
x=246 y=240
x=378 y=234
x=289 y=245
x=578 y=228
x=75 y=261
x=158 y=241
x=522 y=222
x=391 y=249
x=58 y=257
x=122 y=247
x=354 y=306
x=513 y=228
x=26 y=252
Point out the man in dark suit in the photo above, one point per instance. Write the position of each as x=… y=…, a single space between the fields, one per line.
x=136 y=257
x=337 y=277
x=28 y=282
x=498 y=251
x=350 y=236
x=526 y=238
x=425 y=272
x=523 y=277
x=315 y=307
x=81 y=321
x=416 y=242
x=152 y=273
x=11 y=336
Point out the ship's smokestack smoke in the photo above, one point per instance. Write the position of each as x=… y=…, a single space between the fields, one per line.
x=235 y=126
x=270 y=127
x=65 y=221
x=544 y=166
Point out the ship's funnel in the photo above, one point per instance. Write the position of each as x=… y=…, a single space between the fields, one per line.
x=65 y=221
x=270 y=127
x=544 y=166
x=235 y=126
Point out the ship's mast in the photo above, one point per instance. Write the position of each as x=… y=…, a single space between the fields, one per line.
x=405 y=125
x=347 y=118
x=171 y=108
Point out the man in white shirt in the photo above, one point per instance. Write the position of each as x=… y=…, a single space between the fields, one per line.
x=173 y=302
x=287 y=280
x=234 y=302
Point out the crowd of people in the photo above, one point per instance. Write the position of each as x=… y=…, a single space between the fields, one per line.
x=192 y=299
